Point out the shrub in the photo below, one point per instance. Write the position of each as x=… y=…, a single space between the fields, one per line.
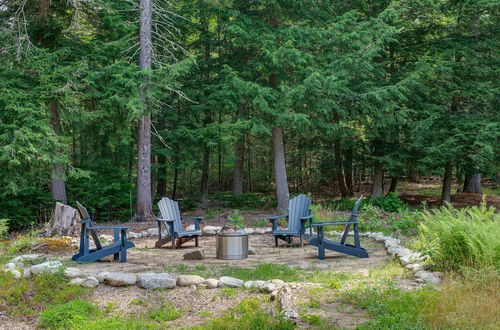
x=454 y=238
x=4 y=228
x=389 y=203
x=248 y=314
x=67 y=315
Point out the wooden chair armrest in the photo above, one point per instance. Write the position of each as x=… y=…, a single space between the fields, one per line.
x=109 y=227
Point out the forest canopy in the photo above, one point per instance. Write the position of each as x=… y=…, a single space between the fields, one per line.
x=240 y=96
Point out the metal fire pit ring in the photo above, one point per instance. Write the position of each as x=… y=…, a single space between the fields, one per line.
x=232 y=246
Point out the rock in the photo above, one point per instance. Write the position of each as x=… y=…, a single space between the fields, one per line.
x=191 y=227
x=388 y=243
x=22 y=259
x=289 y=313
x=155 y=281
x=201 y=286
x=260 y=231
x=428 y=277
x=261 y=286
x=49 y=267
x=419 y=280
x=76 y=281
x=132 y=235
x=414 y=267
x=277 y=282
x=120 y=279
x=144 y=233
x=10 y=265
x=394 y=249
x=195 y=255
x=100 y=276
x=188 y=280
x=212 y=283
x=152 y=232
x=403 y=252
x=252 y=250
x=26 y=273
x=268 y=230
x=230 y=282
x=107 y=238
x=249 y=230
x=211 y=230
x=72 y=272
x=15 y=273
x=192 y=287
x=89 y=282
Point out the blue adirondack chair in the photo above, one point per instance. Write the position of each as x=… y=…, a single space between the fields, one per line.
x=170 y=218
x=342 y=247
x=299 y=212
x=118 y=248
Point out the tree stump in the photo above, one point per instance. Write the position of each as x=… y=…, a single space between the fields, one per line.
x=65 y=221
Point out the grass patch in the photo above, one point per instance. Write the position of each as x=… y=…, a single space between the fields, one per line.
x=25 y=297
x=167 y=312
x=248 y=314
x=67 y=315
x=227 y=292
x=312 y=319
x=204 y=314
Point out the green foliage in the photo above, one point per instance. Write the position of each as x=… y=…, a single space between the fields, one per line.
x=26 y=208
x=167 y=312
x=68 y=314
x=312 y=319
x=4 y=228
x=248 y=314
x=236 y=220
x=389 y=203
x=454 y=238
x=28 y=296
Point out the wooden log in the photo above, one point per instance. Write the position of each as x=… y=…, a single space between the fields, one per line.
x=65 y=221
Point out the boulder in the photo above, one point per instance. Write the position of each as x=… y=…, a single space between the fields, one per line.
x=403 y=252
x=211 y=230
x=144 y=233
x=260 y=286
x=49 y=267
x=394 y=249
x=132 y=235
x=388 y=243
x=260 y=231
x=120 y=279
x=230 y=282
x=252 y=250
x=76 y=281
x=15 y=273
x=72 y=272
x=89 y=282
x=26 y=273
x=277 y=282
x=249 y=230
x=100 y=276
x=191 y=227
x=414 y=267
x=212 y=283
x=10 y=265
x=25 y=258
x=188 y=280
x=428 y=277
x=155 y=281
x=152 y=232
x=194 y=255
x=268 y=230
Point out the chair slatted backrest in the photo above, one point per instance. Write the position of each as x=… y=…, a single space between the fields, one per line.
x=354 y=213
x=83 y=212
x=86 y=217
x=169 y=209
x=298 y=207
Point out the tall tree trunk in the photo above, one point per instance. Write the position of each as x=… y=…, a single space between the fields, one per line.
x=161 y=183
x=174 y=184
x=205 y=170
x=472 y=183
x=378 y=180
x=413 y=174
x=446 y=191
x=394 y=184
x=339 y=172
x=348 y=172
x=58 y=188
x=280 y=169
x=238 y=166
x=143 y=210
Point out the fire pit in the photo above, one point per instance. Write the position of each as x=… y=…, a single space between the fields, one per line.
x=232 y=246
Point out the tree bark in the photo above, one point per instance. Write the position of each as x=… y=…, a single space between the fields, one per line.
x=348 y=172
x=205 y=167
x=339 y=172
x=161 y=183
x=65 y=221
x=58 y=187
x=174 y=185
x=282 y=194
x=446 y=191
x=394 y=184
x=378 y=180
x=238 y=166
x=472 y=183
x=143 y=211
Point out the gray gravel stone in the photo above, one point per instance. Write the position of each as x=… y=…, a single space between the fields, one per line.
x=261 y=286
x=428 y=277
x=188 y=280
x=120 y=279
x=230 y=282
x=49 y=267
x=72 y=272
x=89 y=282
x=212 y=283
x=155 y=281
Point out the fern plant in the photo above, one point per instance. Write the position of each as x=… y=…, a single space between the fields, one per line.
x=4 y=228
x=454 y=238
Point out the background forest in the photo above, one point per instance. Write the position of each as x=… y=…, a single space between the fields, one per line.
x=245 y=96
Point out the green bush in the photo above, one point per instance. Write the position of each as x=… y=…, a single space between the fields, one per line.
x=454 y=238
x=389 y=203
x=4 y=228
x=67 y=315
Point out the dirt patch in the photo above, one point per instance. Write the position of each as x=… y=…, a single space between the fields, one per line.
x=458 y=200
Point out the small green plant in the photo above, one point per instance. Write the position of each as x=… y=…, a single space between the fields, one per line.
x=228 y=292
x=389 y=203
x=138 y=302
x=312 y=319
x=260 y=222
x=200 y=267
x=314 y=303
x=166 y=313
x=4 y=228
x=204 y=314
x=210 y=214
x=181 y=267
x=68 y=314
x=236 y=220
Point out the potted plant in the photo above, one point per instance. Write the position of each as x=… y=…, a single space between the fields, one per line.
x=232 y=241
